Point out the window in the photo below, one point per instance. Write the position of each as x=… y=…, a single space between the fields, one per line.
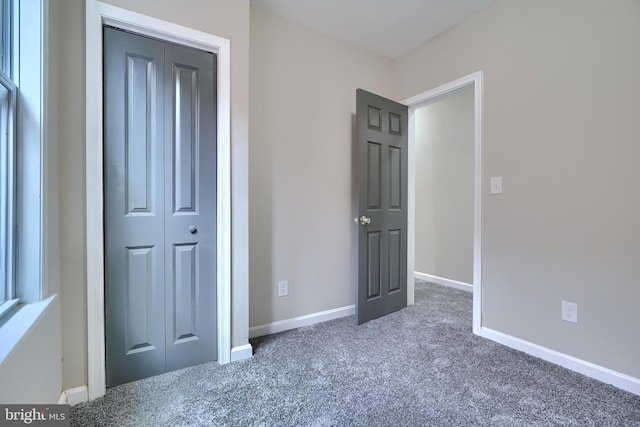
x=8 y=94
x=22 y=142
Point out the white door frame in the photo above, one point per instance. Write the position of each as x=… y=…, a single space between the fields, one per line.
x=415 y=102
x=98 y=14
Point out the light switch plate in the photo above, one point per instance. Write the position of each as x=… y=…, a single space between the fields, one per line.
x=496 y=185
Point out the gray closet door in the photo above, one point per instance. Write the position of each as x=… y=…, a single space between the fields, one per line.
x=134 y=206
x=190 y=206
x=382 y=205
x=160 y=213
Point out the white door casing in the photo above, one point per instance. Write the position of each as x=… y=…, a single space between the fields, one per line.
x=97 y=15
x=475 y=79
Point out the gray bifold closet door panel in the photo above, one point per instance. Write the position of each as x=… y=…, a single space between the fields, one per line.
x=160 y=206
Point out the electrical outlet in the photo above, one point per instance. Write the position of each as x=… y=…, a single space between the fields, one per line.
x=570 y=311
x=283 y=288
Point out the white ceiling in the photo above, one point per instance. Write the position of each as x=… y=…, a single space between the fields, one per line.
x=390 y=27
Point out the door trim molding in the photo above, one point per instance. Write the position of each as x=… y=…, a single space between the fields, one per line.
x=241 y=352
x=98 y=14
x=475 y=80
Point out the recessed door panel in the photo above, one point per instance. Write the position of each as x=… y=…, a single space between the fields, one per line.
x=185 y=259
x=140 y=139
x=395 y=127
x=395 y=178
x=374 y=118
x=373 y=175
x=184 y=137
x=373 y=265
x=140 y=300
x=395 y=255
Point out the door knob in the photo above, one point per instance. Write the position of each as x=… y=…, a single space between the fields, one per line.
x=193 y=229
x=364 y=220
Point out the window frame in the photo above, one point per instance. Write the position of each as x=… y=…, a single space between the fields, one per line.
x=8 y=115
x=24 y=52
x=7 y=187
x=7 y=18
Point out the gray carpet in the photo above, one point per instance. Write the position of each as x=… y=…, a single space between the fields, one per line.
x=421 y=366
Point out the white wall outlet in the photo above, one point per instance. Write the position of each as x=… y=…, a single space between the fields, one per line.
x=496 y=185
x=570 y=311
x=283 y=288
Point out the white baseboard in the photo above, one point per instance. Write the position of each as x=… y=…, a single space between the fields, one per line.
x=297 y=322
x=241 y=352
x=444 y=282
x=74 y=396
x=606 y=375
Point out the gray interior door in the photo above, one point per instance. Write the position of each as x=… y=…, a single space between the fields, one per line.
x=160 y=206
x=382 y=205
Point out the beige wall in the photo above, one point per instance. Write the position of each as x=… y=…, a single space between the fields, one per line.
x=561 y=126
x=224 y=18
x=301 y=166
x=444 y=159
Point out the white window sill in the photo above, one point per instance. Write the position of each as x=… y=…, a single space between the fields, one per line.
x=16 y=327
x=6 y=307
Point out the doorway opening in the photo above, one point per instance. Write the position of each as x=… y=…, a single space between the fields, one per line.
x=475 y=81
x=444 y=189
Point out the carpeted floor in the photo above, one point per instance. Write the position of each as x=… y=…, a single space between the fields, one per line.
x=421 y=366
